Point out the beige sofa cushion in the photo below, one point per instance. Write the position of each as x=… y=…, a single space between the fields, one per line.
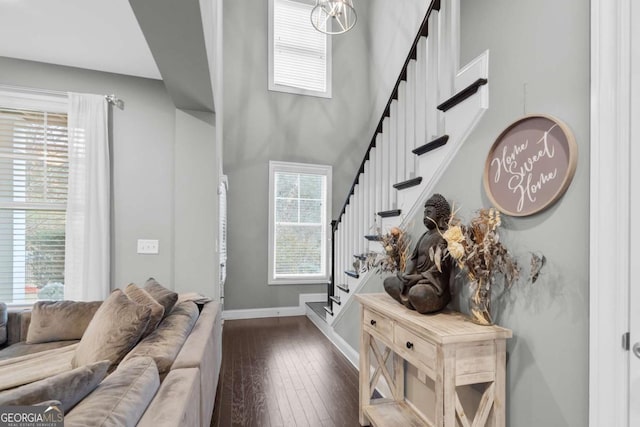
x=68 y=387
x=143 y=297
x=174 y=404
x=166 y=297
x=121 y=399
x=115 y=328
x=60 y=320
x=21 y=370
x=165 y=342
x=22 y=348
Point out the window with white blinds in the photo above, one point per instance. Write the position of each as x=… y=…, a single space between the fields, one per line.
x=33 y=198
x=299 y=211
x=299 y=55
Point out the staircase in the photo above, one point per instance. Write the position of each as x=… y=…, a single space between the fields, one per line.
x=431 y=111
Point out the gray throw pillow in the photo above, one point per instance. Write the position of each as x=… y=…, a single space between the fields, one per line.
x=67 y=387
x=164 y=344
x=115 y=328
x=121 y=399
x=60 y=320
x=3 y=323
x=143 y=297
x=166 y=297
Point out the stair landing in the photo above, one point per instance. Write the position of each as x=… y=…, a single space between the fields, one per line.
x=318 y=308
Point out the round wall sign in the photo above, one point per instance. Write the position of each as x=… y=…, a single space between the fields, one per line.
x=530 y=165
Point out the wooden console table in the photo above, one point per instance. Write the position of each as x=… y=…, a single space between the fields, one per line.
x=446 y=347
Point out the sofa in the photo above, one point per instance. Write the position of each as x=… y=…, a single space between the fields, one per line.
x=163 y=373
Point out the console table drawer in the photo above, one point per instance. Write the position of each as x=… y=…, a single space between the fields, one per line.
x=415 y=350
x=378 y=324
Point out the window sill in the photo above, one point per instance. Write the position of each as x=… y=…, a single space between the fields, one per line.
x=299 y=91
x=20 y=306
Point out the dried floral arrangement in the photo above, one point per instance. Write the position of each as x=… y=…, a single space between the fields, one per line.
x=396 y=250
x=395 y=246
x=477 y=250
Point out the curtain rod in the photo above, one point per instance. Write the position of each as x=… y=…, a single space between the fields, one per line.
x=111 y=99
x=114 y=100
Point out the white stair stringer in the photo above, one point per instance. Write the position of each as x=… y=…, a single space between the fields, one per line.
x=459 y=122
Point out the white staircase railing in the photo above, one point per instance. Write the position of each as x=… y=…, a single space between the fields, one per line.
x=430 y=113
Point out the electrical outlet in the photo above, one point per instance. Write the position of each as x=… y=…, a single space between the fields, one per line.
x=146 y=246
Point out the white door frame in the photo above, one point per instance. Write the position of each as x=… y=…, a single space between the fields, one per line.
x=609 y=280
x=634 y=212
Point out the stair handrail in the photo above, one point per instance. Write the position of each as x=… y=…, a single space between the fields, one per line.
x=423 y=31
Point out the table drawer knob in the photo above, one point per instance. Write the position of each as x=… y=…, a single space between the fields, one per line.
x=373 y=322
x=409 y=345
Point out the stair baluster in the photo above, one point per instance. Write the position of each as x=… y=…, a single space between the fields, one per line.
x=391 y=178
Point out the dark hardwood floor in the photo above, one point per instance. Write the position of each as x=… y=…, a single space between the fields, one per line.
x=283 y=372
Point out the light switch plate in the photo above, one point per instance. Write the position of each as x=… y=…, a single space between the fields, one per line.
x=146 y=246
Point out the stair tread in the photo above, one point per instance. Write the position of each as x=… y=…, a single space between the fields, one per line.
x=390 y=213
x=329 y=310
x=408 y=183
x=373 y=237
x=431 y=145
x=335 y=299
x=344 y=288
x=462 y=95
x=352 y=273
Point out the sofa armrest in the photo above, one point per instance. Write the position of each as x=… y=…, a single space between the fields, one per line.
x=177 y=401
x=203 y=350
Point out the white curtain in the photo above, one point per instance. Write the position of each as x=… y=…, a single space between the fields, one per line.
x=87 y=262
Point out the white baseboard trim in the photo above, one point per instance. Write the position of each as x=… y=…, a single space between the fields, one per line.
x=349 y=352
x=258 y=313
x=305 y=298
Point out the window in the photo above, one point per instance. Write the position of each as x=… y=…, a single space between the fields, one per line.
x=299 y=211
x=33 y=196
x=299 y=55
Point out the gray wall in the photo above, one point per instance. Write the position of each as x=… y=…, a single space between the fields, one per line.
x=260 y=125
x=196 y=203
x=144 y=141
x=392 y=27
x=539 y=63
x=548 y=357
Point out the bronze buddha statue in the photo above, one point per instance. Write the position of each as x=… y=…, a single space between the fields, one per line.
x=422 y=286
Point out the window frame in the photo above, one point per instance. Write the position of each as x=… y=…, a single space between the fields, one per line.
x=292 y=89
x=16 y=98
x=299 y=168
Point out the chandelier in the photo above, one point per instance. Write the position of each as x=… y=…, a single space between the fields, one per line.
x=333 y=16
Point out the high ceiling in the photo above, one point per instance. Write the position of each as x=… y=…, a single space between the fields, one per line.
x=99 y=35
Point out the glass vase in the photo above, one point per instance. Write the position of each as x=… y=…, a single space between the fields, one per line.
x=480 y=303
